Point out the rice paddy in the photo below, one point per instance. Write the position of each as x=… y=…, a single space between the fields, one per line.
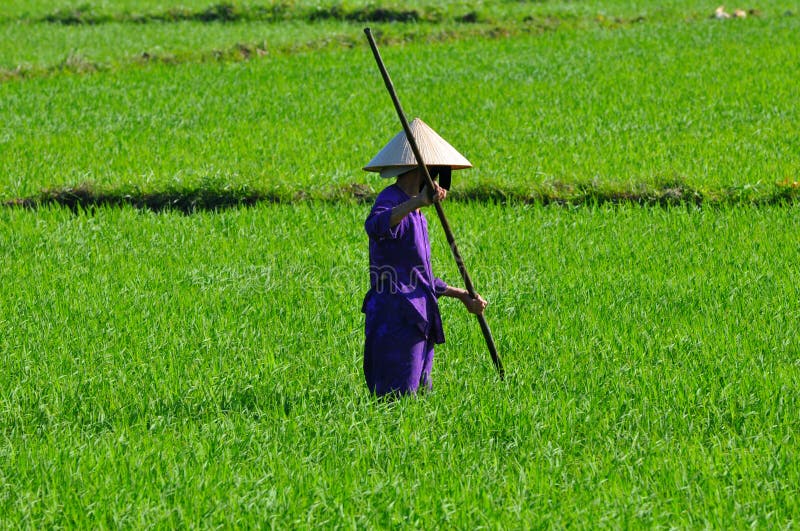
x=632 y=218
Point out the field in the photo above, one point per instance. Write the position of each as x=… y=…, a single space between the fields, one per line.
x=632 y=218
x=597 y=119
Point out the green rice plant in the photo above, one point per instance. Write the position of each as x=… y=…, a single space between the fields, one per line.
x=108 y=33
x=171 y=370
x=44 y=48
x=703 y=108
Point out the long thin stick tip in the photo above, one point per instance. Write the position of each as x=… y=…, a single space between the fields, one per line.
x=367 y=31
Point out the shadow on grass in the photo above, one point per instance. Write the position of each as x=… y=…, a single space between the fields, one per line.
x=188 y=200
x=225 y=12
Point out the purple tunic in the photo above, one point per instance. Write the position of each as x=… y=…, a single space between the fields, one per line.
x=402 y=312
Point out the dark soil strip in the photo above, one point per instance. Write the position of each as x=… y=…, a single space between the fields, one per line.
x=226 y=12
x=86 y=197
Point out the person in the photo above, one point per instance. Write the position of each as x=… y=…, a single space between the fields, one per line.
x=402 y=319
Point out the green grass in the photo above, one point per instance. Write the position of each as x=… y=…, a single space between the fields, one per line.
x=173 y=370
x=116 y=34
x=706 y=106
x=46 y=48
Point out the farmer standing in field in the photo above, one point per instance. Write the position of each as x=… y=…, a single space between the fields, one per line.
x=402 y=312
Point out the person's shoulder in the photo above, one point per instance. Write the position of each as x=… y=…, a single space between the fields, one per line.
x=391 y=194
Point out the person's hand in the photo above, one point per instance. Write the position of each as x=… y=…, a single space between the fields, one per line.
x=475 y=305
x=439 y=194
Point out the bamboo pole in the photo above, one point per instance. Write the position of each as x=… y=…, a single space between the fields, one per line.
x=487 y=333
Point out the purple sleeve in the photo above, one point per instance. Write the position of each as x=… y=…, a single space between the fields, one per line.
x=439 y=286
x=377 y=223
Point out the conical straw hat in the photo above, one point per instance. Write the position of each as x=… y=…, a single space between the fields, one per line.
x=397 y=156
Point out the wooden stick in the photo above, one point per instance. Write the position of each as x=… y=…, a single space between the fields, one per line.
x=487 y=334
